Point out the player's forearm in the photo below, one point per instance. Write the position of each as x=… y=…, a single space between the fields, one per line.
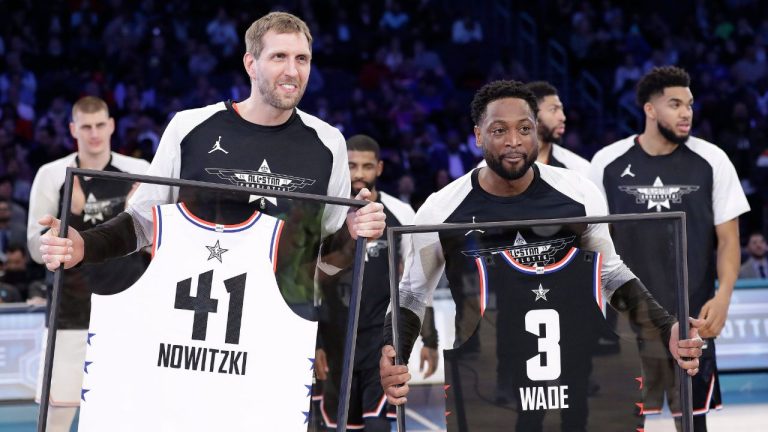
x=338 y=249
x=39 y=206
x=114 y=238
x=728 y=258
x=409 y=327
x=428 y=329
x=643 y=311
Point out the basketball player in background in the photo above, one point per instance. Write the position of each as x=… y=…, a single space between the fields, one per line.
x=513 y=187
x=367 y=407
x=93 y=201
x=551 y=128
x=666 y=169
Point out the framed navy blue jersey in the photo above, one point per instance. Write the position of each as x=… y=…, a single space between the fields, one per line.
x=532 y=357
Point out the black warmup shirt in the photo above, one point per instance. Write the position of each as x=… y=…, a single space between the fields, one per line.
x=214 y=144
x=698 y=179
x=554 y=193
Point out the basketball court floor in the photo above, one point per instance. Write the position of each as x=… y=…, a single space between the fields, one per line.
x=745 y=409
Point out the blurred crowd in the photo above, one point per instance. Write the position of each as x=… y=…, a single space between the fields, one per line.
x=402 y=72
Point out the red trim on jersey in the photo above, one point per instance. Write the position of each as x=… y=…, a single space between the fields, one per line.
x=214 y=225
x=483 y=276
x=378 y=409
x=155 y=231
x=276 y=244
x=330 y=424
x=234 y=107
x=649 y=411
x=599 y=282
x=706 y=407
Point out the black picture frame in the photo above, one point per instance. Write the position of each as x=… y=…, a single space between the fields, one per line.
x=354 y=303
x=680 y=243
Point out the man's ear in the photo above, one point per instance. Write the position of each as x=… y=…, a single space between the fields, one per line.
x=649 y=110
x=249 y=61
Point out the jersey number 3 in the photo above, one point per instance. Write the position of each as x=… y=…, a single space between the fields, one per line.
x=546 y=369
x=202 y=304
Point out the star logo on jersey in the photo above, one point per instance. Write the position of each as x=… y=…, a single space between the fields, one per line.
x=96 y=210
x=541 y=293
x=538 y=254
x=217 y=147
x=373 y=248
x=216 y=251
x=519 y=240
x=264 y=178
x=627 y=171
x=659 y=195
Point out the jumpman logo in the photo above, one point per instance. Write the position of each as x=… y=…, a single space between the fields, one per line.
x=627 y=171
x=474 y=230
x=217 y=146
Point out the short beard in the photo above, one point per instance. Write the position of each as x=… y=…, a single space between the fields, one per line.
x=269 y=96
x=496 y=164
x=670 y=135
x=370 y=186
x=548 y=135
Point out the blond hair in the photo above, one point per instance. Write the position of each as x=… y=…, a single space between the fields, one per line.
x=89 y=105
x=279 y=22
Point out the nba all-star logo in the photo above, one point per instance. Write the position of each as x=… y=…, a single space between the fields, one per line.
x=97 y=210
x=264 y=178
x=373 y=248
x=659 y=195
x=531 y=254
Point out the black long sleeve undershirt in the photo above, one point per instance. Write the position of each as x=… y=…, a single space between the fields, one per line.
x=114 y=238
x=653 y=321
x=410 y=324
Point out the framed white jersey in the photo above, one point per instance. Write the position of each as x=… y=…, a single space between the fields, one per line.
x=203 y=340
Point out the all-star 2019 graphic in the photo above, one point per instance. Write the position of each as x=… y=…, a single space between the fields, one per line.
x=264 y=178
x=531 y=254
x=96 y=210
x=659 y=195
